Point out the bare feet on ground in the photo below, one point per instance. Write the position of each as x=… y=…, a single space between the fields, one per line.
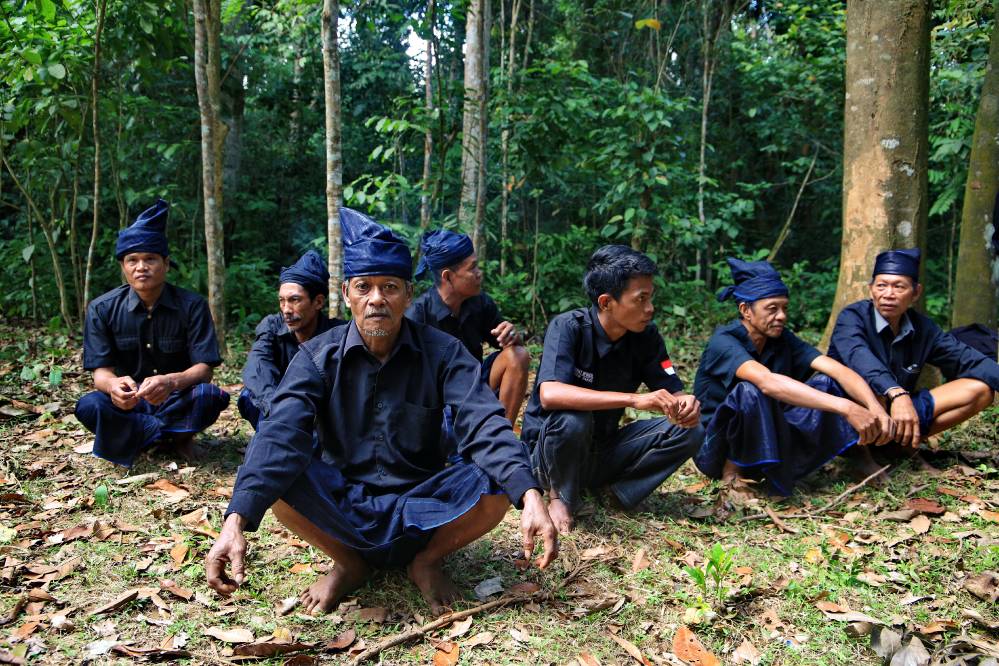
x=183 y=446
x=326 y=593
x=862 y=465
x=438 y=590
x=730 y=473
x=561 y=516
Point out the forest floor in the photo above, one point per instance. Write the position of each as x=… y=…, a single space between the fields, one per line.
x=103 y=566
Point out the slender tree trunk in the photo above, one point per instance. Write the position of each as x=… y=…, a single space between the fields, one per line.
x=47 y=232
x=95 y=117
x=505 y=179
x=334 y=154
x=530 y=33
x=479 y=236
x=471 y=122
x=208 y=74
x=428 y=104
x=885 y=138
x=74 y=258
x=975 y=294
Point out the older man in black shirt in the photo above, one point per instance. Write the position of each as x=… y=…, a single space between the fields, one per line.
x=151 y=347
x=378 y=493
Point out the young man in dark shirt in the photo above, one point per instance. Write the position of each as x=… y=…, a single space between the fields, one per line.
x=888 y=343
x=302 y=294
x=380 y=492
x=593 y=363
x=457 y=305
x=151 y=347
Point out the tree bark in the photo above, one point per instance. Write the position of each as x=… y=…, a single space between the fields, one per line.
x=507 y=186
x=94 y=115
x=428 y=105
x=885 y=138
x=479 y=229
x=334 y=149
x=471 y=126
x=974 y=294
x=208 y=75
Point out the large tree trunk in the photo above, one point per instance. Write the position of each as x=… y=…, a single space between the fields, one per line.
x=471 y=126
x=208 y=76
x=975 y=294
x=505 y=180
x=428 y=105
x=334 y=154
x=885 y=138
x=479 y=229
x=96 y=203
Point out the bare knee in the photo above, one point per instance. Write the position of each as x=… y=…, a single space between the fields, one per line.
x=984 y=396
x=493 y=508
x=517 y=357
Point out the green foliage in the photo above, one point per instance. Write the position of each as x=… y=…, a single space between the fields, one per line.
x=717 y=567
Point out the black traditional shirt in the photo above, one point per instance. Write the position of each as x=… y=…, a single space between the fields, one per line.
x=477 y=317
x=272 y=351
x=577 y=351
x=730 y=347
x=175 y=334
x=863 y=340
x=379 y=424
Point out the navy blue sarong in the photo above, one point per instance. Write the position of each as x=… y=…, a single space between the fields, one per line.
x=121 y=434
x=247 y=409
x=387 y=529
x=782 y=442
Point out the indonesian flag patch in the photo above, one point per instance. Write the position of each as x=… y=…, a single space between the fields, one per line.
x=668 y=367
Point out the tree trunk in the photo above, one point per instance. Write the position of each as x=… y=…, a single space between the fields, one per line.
x=479 y=237
x=885 y=138
x=471 y=126
x=428 y=105
x=207 y=76
x=974 y=295
x=334 y=150
x=506 y=185
x=95 y=205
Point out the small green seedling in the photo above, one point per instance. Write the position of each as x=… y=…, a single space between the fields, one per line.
x=101 y=496
x=718 y=565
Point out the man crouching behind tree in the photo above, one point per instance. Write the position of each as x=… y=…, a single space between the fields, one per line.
x=377 y=493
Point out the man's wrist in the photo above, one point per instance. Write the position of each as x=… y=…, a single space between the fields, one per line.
x=236 y=520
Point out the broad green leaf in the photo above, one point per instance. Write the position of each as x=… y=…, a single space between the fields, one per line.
x=27 y=252
x=31 y=56
x=47 y=8
x=55 y=376
x=57 y=70
x=28 y=374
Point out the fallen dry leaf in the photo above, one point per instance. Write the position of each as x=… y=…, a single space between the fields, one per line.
x=985 y=586
x=482 y=638
x=587 y=659
x=640 y=562
x=525 y=587
x=688 y=647
x=301 y=568
x=117 y=604
x=991 y=516
x=631 y=649
x=342 y=641
x=269 y=648
x=920 y=524
x=459 y=628
x=746 y=653
x=173 y=492
x=235 y=635
x=902 y=516
x=927 y=506
x=835 y=611
x=178 y=554
x=596 y=552
x=377 y=614
x=446 y=654
x=152 y=653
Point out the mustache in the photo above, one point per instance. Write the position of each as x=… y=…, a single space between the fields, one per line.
x=384 y=312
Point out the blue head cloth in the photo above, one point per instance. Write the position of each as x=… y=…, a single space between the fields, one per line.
x=753 y=280
x=147 y=233
x=372 y=249
x=442 y=248
x=308 y=271
x=898 y=262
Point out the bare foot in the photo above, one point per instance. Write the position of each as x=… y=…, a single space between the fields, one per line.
x=183 y=446
x=325 y=594
x=730 y=473
x=923 y=465
x=560 y=514
x=862 y=465
x=437 y=589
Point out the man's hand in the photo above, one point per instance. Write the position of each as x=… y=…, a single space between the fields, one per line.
x=229 y=547
x=658 y=401
x=903 y=412
x=864 y=422
x=887 y=426
x=156 y=389
x=124 y=393
x=506 y=334
x=688 y=410
x=534 y=521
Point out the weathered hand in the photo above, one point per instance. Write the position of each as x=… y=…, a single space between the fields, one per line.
x=124 y=393
x=887 y=427
x=535 y=521
x=658 y=401
x=229 y=547
x=903 y=412
x=156 y=389
x=506 y=334
x=864 y=422
x=688 y=412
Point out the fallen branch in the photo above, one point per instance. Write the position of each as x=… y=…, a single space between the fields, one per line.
x=839 y=498
x=420 y=632
x=849 y=491
x=781 y=525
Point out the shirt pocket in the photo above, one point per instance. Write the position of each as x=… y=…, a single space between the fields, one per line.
x=418 y=429
x=170 y=345
x=908 y=376
x=126 y=343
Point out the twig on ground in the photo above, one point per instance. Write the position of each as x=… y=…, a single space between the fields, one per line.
x=849 y=491
x=781 y=525
x=419 y=632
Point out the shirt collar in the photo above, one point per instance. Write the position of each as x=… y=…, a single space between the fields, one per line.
x=738 y=330
x=603 y=344
x=405 y=339
x=880 y=324
x=167 y=299
x=438 y=308
x=323 y=324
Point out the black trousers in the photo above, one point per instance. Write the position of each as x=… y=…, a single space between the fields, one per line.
x=632 y=463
